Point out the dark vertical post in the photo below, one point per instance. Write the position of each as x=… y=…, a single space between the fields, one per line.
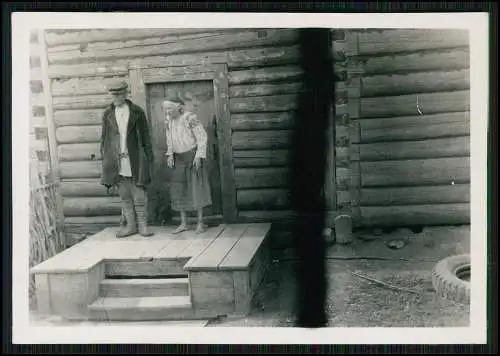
x=308 y=174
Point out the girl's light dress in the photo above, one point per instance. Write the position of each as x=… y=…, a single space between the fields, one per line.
x=187 y=139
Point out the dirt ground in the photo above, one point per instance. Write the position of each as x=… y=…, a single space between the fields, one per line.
x=356 y=302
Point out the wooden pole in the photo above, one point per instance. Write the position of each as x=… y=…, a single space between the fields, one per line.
x=54 y=160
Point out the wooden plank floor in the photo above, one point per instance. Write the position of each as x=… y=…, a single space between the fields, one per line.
x=163 y=245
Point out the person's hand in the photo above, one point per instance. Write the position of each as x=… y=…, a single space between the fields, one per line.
x=197 y=163
x=170 y=161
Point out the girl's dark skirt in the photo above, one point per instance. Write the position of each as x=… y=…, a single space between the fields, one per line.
x=190 y=187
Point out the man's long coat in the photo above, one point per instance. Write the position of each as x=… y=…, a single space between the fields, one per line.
x=138 y=143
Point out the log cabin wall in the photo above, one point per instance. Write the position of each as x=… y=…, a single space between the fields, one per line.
x=402 y=127
x=39 y=133
x=264 y=80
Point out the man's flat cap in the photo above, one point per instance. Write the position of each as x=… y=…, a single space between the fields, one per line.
x=117 y=86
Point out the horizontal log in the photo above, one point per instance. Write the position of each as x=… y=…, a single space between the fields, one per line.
x=93 y=206
x=78 y=134
x=261 y=158
x=432 y=214
x=266 y=199
x=79 y=152
x=267 y=74
x=99 y=101
x=78 y=117
x=85 y=188
x=428 y=103
x=430 y=148
x=263 y=121
x=442 y=194
x=234 y=59
x=264 y=103
x=89 y=225
x=210 y=42
x=406 y=40
x=168 y=74
x=261 y=140
x=80 y=169
x=82 y=86
x=157 y=37
x=106 y=219
x=433 y=171
x=412 y=127
x=65 y=37
x=263 y=89
x=437 y=60
x=91 y=69
x=422 y=82
x=261 y=177
x=279 y=216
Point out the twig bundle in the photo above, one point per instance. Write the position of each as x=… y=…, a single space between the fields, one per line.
x=45 y=238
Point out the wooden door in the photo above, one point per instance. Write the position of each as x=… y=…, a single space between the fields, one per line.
x=199 y=98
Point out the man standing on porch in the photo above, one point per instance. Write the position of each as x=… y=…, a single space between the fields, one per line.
x=186 y=153
x=127 y=158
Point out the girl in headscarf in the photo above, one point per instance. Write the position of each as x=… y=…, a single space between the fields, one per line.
x=186 y=154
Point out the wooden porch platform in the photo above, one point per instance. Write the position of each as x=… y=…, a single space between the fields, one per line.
x=162 y=277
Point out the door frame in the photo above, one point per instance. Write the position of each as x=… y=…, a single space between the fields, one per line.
x=218 y=74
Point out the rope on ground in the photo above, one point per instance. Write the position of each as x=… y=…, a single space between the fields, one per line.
x=385 y=284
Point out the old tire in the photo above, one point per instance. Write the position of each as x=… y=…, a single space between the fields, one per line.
x=447 y=278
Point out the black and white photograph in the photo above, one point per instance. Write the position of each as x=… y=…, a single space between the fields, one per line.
x=153 y=187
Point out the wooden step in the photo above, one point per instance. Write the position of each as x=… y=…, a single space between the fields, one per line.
x=156 y=267
x=164 y=287
x=142 y=309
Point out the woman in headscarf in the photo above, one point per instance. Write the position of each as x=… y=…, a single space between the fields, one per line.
x=186 y=154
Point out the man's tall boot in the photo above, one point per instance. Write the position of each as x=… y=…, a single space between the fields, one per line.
x=131 y=227
x=142 y=220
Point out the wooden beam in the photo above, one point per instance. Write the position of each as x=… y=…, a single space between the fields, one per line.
x=225 y=149
x=263 y=89
x=431 y=214
x=82 y=86
x=78 y=134
x=261 y=158
x=185 y=73
x=283 y=120
x=79 y=151
x=432 y=171
x=263 y=199
x=262 y=177
x=138 y=89
x=406 y=40
x=284 y=102
x=60 y=38
x=54 y=161
x=261 y=140
x=81 y=169
x=92 y=206
x=79 y=117
x=99 y=101
x=405 y=128
x=437 y=60
x=419 y=195
x=428 y=103
x=422 y=82
x=398 y=150
x=264 y=75
x=90 y=187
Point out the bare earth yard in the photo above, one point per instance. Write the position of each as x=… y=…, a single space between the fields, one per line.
x=356 y=302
